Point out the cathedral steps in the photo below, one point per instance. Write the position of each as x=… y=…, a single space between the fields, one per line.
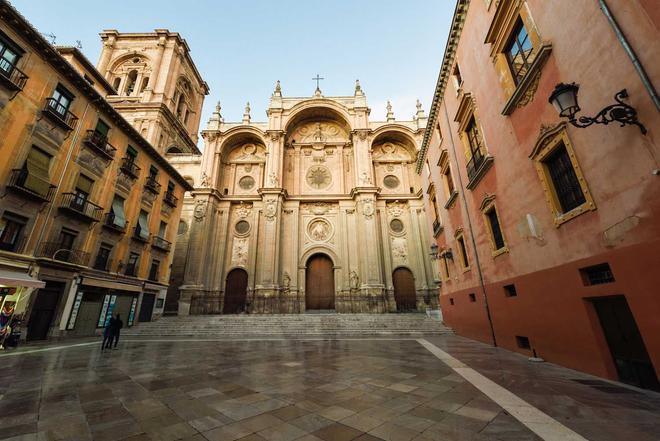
x=290 y=326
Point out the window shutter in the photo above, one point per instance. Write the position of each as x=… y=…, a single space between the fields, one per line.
x=118 y=211
x=38 y=165
x=144 y=225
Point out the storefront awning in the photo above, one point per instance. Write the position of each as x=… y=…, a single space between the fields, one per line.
x=102 y=283
x=14 y=278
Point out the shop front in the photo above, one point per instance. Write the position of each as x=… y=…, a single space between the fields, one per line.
x=16 y=287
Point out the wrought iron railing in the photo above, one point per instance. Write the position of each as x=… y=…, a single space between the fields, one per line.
x=18 y=179
x=129 y=166
x=170 y=199
x=59 y=113
x=55 y=251
x=77 y=204
x=12 y=76
x=15 y=246
x=99 y=143
x=138 y=236
x=152 y=185
x=159 y=242
x=473 y=164
x=110 y=222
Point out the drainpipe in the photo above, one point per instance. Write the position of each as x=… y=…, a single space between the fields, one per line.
x=631 y=53
x=469 y=222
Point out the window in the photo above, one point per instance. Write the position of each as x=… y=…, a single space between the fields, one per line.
x=153 y=172
x=449 y=181
x=61 y=101
x=132 y=264
x=36 y=171
x=451 y=301
x=476 y=153
x=145 y=83
x=564 y=180
x=162 y=229
x=445 y=170
x=67 y=238
x=458 y=78
x=102 y=257
x=445 y=265
x=117 y=216
x=510 y=291
x=170 y=188
x=474 y=139
x=465 y=263
x=519 y=52
x=130 y=82
x=564 y=185
x=11 y=229
x=473 y=297
x=116 y=83
x=9 y=56
x=102 y=129
x=153 y=271
x=523 y=342
x=83 y=189
x=597 y=274
x=494 y=223
x=142 y=229
x=88 y=79
x=131 y=153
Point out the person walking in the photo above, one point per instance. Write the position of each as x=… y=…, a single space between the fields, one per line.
x=107 y=334
x=118 y=324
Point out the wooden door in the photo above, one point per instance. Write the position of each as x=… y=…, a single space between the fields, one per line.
x=235 y=292
x=43 y=310
x=632 y=361
x=147 y=307
x=404 y=290
x=319 y=283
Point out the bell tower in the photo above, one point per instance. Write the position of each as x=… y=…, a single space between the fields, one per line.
x=158 y=88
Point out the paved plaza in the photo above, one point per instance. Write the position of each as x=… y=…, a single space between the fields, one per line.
x=437 y=388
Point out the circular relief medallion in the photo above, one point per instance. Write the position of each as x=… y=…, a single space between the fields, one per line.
x=396 y=225
x=242 y=227
x=249 y=149
x=246 y=182
x=391 y=181
x=319 y=230
x=319 y=177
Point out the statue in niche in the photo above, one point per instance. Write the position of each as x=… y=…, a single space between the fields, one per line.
x=354 y=280
x=318 y=133
x=274 y=180
x=319 y=230
x=286 y=282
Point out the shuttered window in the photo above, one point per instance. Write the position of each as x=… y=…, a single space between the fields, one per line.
x=37 y=166
x=143 y=225
x=117 y=210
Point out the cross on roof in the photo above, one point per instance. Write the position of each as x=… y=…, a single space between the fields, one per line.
x=317 y=79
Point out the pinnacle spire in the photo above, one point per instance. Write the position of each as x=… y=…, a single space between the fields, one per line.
x=390 y=114
x=246 y=114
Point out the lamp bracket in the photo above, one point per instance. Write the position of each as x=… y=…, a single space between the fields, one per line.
x=621 y=113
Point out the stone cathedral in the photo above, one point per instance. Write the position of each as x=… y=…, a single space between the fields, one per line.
x=315 y=209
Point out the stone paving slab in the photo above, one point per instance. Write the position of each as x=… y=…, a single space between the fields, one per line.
x=329 y=390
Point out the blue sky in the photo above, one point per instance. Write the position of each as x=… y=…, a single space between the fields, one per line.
x=241 y=48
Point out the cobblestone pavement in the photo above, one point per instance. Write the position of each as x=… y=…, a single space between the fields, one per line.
x=331 y=390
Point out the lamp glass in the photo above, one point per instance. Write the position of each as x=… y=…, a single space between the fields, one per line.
x=564 y=99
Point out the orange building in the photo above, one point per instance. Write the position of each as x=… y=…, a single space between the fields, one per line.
x=548 y=227
x=89 y=210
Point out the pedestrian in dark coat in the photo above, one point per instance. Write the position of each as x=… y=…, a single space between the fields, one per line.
x=107 y=334
x=118 y=324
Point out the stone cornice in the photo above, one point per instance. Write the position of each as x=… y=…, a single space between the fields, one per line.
x=448 y=60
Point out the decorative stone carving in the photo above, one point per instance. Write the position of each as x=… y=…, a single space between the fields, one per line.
x=286 y=282
x=273 y=180
x=166 y=209
x=124 y=182
x=92 y=162
x=148 y=197
x=206 y=181
x=243 y=210
x=319 y=230
x=200 y=210
x=246 y=182
x=368 y=208
x=365 y=179
x=320 y=132
x=400 y=250
x=239 y=252
x=270 y=210
x=396 y=209
x=318 y=208
x=396 y=225
x=354 y=280
x=318 y=177
x=528 y=96
x=242 y=227
x=391 y=181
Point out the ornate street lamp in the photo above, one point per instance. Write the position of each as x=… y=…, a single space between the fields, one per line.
x=564 y=99
x=434 y=252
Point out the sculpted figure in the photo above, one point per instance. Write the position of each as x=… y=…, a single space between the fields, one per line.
x=354 y=280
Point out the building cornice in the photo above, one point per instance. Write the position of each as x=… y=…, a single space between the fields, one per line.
x=445 y=70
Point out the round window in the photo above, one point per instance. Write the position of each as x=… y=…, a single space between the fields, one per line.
x=246 y=182
x=242 y=227
x=391 y=181
x=396 y=225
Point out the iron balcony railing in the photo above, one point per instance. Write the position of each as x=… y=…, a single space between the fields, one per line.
x=160 y=243
x=170 y=199
x=110 y=222
x=60 y=114
x=11 y=76
x=79 y=205
x=152 y=185
x=15 y=246
x=138 y=236
x=18 y=181
x=99 y=143
x=129 y=167
x=55 y=251
x=473 y=165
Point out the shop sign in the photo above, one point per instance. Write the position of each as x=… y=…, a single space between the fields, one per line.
x=74 y=311
x=131 y=316
x=106 y=311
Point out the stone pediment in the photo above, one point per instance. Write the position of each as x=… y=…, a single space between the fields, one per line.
x=319 y=132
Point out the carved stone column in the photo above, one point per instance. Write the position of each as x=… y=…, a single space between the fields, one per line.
x=268 y=259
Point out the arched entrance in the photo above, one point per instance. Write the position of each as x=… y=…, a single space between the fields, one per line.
x=404 y=290
x=235 y=291
x=319 y=283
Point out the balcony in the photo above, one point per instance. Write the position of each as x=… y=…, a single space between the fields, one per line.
x=59 y=114
x=16 y=246
x=140 y=237
x=12 y=77
x=129 y=167
x=161 y=244
x=54 y=250
x=170 y=199
x=31 y=186
x=109 y=222
x=99 y=144
x=81 y=207
x=477 y=168
x=152 y=185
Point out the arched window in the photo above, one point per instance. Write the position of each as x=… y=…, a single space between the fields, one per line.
x=130 y=84
x=185 y=118
x=145 y=83
x=116 y=84
x=179 y=106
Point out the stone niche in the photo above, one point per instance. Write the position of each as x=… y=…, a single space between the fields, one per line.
x=243 y=168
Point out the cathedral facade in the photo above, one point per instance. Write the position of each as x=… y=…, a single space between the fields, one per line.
x=318 y=208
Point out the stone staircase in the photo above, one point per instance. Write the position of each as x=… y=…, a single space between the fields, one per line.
x=290 y=326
